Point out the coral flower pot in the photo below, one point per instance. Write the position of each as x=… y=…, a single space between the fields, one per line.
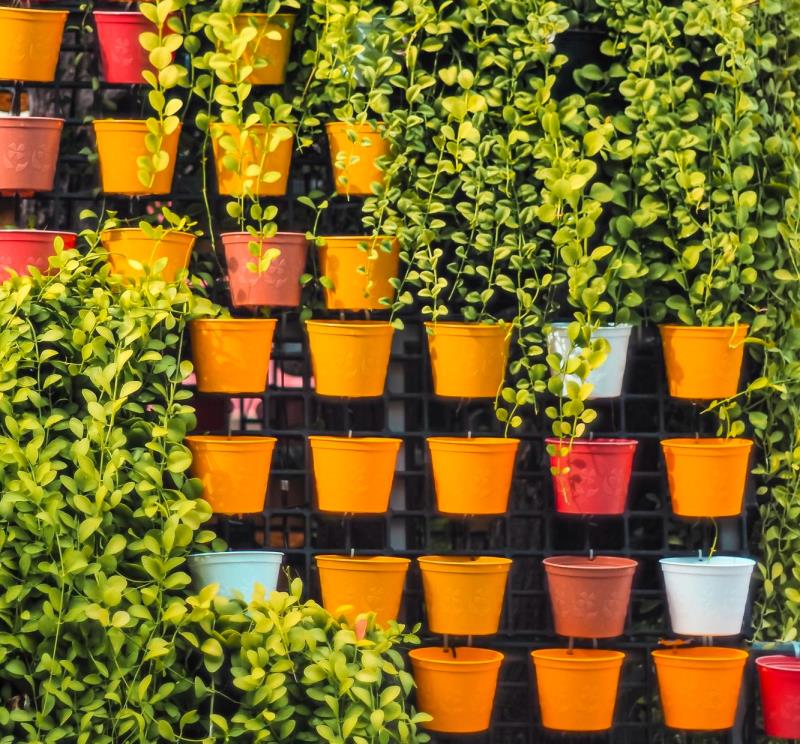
x=590 y=597
x=120 y=142
x=237 y=571
x=361 y=269
x=703 y=363
x=354 y=150
x=592 y=476
x=234 y=471
x=352 y=586
x=699 y=686
x=126 y=244
x=472 y=475
x=349 y=358
x=22 y=249
x=468 y=359
x=464 y=595
x=268 y=52
x=707 y=477
x=31 y=42
x=231 y=355
x=578 y=688
x=122 y=57
x=29 y=148
x=456 y=686
x=279 y=285
x=353 y=475
x=779 y=677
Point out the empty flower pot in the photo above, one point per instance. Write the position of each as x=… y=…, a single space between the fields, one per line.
x=279 y=284
x=591 y=476
x=360 y=270
x=234 y=471
x=699 y=687
x=589 y=596
x=707 y=596
x=122 y=57
x=31 y=42
x=464 y=594
x=231 y=355
x=353 y=475
x=468 y=360
x=577 y=688
x=29 y=148
x=472 y=475
x=237 y=572
x=779 y=677
x=703 y=363
x=456 y=686
x=707 y=477
x=132 y=252
x=349 y=358
x=268 y=51
x=22 y=249
x=355 y=150
x=355 y=585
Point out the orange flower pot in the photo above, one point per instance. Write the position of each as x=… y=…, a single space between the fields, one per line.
x=352 y=586
x=31 y=42
x=353 y=475
x=707 y=477
x=231 y=355
x=703 y=363
x=268 y=52
x=354 y=150
x=234 y=471
x=120 y=142
x=349 y=358
x=126 y=244
x=468 y=360
x=472 y=475
x=361 y=269
x=456 y=686
x=464 y=595
x=578 y=688
x=699 y=686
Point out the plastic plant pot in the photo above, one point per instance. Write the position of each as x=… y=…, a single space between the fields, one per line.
x=21 y=250
x=127 y=244
x=31 y=42
x=122 y=57
x=354 y=150
x=268 y=52
x=237 y=572
x=779 y=677
x=29 y=146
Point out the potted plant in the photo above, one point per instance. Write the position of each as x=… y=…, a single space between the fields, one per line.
x=779 y=678
x=237 y=572
x=31 y=145
x=122 y=57
x=22 y=249
x=357 y=149
x=269 y=41
x=31 y=43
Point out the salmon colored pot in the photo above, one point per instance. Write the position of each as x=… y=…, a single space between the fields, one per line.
x=592 y=476
x=468 y=359
x=258 y=149
x=361 y=270
x=268 y=52
x=279 y=285
x=352 y=586
x=707 y=477
x=31 y=42
x=349 y=358
x=22 y=249
x=589 y=596
x=779 y=677
x=231 y=355
x=464 y=594
x=578 y=688
x=234 y=471
x=456 y=686
x=703 y=363
x=353 y=475
x=700 y=686
x=354 y=150
x=29 y=148
x=120 y=143
x=126 y=244
x=122 y=57
x=472 y=475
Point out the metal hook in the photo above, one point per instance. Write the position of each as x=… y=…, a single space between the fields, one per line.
x=591 y=554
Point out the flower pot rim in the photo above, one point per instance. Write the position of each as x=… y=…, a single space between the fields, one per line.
x=699 y=655
x=133 y=124
x=433 y=657
x=292 y=126
x=367 y=126
x=359 y=238
x=779 y=662
x=387 y=563
x=582 y=563
x=126 y=15
x=709 y=444
x=472 y=442
x=596 y=443
x=267 y=322
x=45 y=122
x=138 y=230
x=591 y=657
x=464 y=328
x=705 y=330
x=328 y=441
x=348 y=325
x=33 y=231
x=33 y=12
x=562 y=325
x=247 y=554
x=706 y=563
x=241 y=233
x=466 y=564
x=223 y=440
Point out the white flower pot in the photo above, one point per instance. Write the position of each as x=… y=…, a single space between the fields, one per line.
x=237 y=571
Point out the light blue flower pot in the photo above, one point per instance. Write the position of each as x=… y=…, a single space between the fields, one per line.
x=237 y=571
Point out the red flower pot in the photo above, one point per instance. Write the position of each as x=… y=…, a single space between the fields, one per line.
x=593 y=475
x=21 y=249
x=28 y=154
x=780 y=695
x=122 y=56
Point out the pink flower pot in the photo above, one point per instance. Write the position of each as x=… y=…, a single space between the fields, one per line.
x=28 y=154
x=21 y=249
x=122 y=56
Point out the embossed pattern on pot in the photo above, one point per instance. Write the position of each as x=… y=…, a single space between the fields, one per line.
x=21 y=249
x=29 y=149
x=31 y=43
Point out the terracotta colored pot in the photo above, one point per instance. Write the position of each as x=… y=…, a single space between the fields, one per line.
x=472 y=475
x=468 y=360
x=122 y=57
x=592 y=476
x=352 y=586
x=590 y=597
x=231 y=355
x=353 y=475
x=29 y=148
x=464 y=594
x=456 y=686
x=700 y=686
x=361 y=269
x=703 y=363
x=234 y=471
x=578 y=688
x=22 y=249
x=707 y=477
x=126 y=244
x=31 y=42
x=354 y=150
x=279 y=285
x=268 y=52
x=779 y=677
